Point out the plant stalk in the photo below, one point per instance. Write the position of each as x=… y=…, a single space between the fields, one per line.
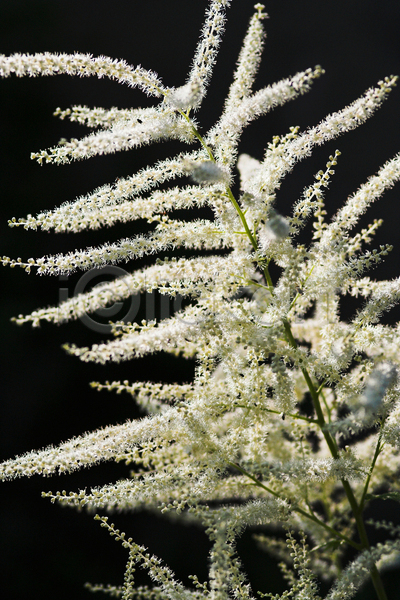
x=355 y=507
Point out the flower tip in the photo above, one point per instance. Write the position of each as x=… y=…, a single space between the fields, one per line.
x=260 y=7
x=187 y=96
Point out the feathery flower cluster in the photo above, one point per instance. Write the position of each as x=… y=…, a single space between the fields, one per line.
x=233 y=448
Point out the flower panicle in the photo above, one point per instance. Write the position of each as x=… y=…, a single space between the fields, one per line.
x=281 y=378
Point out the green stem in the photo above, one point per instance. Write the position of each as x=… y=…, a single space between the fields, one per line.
x=327 y=527
x=229 y=193
x=355 y=507
x=378 y=450
x=378 y=583
x=242 y=218
x=327 y=407
x=375 y=577
x=298 y=293
x=297 y=509
x=233 y=200
x=268 y=280
x=197 y=134
x=314 y=395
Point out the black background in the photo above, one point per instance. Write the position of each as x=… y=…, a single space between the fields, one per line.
x=45 y=396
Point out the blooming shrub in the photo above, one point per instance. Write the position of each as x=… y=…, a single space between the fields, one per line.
x=234 y=448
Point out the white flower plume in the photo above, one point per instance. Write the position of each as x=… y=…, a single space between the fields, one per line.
x=292 y=416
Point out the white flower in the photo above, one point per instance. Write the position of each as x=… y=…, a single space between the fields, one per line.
x=187 y=96
x=254 y=437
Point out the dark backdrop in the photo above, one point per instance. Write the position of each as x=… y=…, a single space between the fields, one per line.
x=45 y=396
